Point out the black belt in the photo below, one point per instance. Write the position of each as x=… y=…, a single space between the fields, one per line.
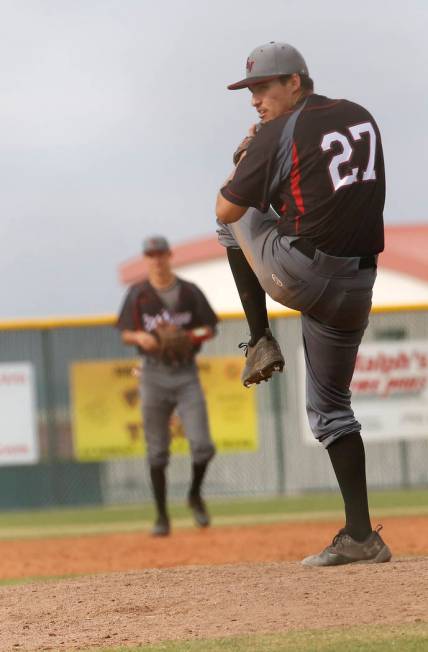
x=308 y=248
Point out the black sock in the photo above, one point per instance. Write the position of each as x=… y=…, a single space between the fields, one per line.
x=348 y=459
x=198 y=473
x=251 y=293
x=158 y=478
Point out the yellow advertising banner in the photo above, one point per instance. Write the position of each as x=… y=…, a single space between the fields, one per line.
x=106 y=410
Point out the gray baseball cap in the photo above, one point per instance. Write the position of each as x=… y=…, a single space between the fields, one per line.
x=269 y=61
x=155 y=243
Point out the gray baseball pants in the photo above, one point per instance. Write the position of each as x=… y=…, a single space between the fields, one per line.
x=334 y=297
x=163 y=389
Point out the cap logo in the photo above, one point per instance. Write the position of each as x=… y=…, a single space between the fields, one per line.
x=250 y=64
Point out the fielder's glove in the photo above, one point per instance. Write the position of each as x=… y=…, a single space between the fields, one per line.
x=242 y=147
x=175 y=345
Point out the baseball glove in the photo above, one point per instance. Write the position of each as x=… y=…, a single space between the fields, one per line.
x=242 y=147
x=175 y=346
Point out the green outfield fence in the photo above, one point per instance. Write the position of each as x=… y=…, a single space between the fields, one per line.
x=283 y=464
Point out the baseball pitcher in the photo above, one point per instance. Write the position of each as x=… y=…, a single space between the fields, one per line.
x=301 y=216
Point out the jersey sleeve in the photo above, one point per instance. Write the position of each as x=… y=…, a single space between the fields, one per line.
x=251 y=183
x=203 y=315
x=126 y=318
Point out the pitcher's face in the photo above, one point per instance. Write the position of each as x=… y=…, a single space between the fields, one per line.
x=274 y=98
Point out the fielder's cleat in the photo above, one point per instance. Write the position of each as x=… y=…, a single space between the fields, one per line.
x=345 y=550
x=199 y=510
x=263 y=359
x=161 y=527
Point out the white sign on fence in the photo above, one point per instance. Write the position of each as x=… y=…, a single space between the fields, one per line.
x=18 y=432
x=389 y=391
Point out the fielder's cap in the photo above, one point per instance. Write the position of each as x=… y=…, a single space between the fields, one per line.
x=269 y=61
x=156 y=243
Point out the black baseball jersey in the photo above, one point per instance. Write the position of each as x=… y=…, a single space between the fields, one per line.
x=321 y=168
x=144 y=310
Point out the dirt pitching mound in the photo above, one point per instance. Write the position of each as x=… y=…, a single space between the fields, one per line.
x=263 y=592
x=191 y=602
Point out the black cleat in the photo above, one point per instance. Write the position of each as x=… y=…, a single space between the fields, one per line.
x=263 y=359
x=345 y=550
x=199 y=509
x=161 y=527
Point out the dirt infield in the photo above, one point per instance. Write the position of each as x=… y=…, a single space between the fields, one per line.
x=218 y=545
x=261 y=590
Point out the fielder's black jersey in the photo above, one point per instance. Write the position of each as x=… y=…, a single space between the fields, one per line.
x=144 y=310
x=320 y=166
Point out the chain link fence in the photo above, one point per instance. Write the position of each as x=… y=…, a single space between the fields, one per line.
x=283 y=463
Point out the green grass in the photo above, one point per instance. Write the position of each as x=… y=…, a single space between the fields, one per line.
x=62 y=522
x=403 y=638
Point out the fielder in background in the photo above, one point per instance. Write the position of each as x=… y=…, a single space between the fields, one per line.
x=167 y=319
x=301 y=216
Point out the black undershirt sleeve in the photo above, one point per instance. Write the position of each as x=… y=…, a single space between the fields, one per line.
x=203 y=315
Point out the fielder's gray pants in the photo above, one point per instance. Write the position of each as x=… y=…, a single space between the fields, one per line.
x=164 y=389
x=334 y=297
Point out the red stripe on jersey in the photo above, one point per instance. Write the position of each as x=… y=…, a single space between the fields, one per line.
x=295 y=185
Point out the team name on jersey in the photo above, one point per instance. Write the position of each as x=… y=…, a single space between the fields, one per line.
x=179 y=319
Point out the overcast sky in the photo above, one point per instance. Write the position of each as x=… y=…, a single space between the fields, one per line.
x=116 y=123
